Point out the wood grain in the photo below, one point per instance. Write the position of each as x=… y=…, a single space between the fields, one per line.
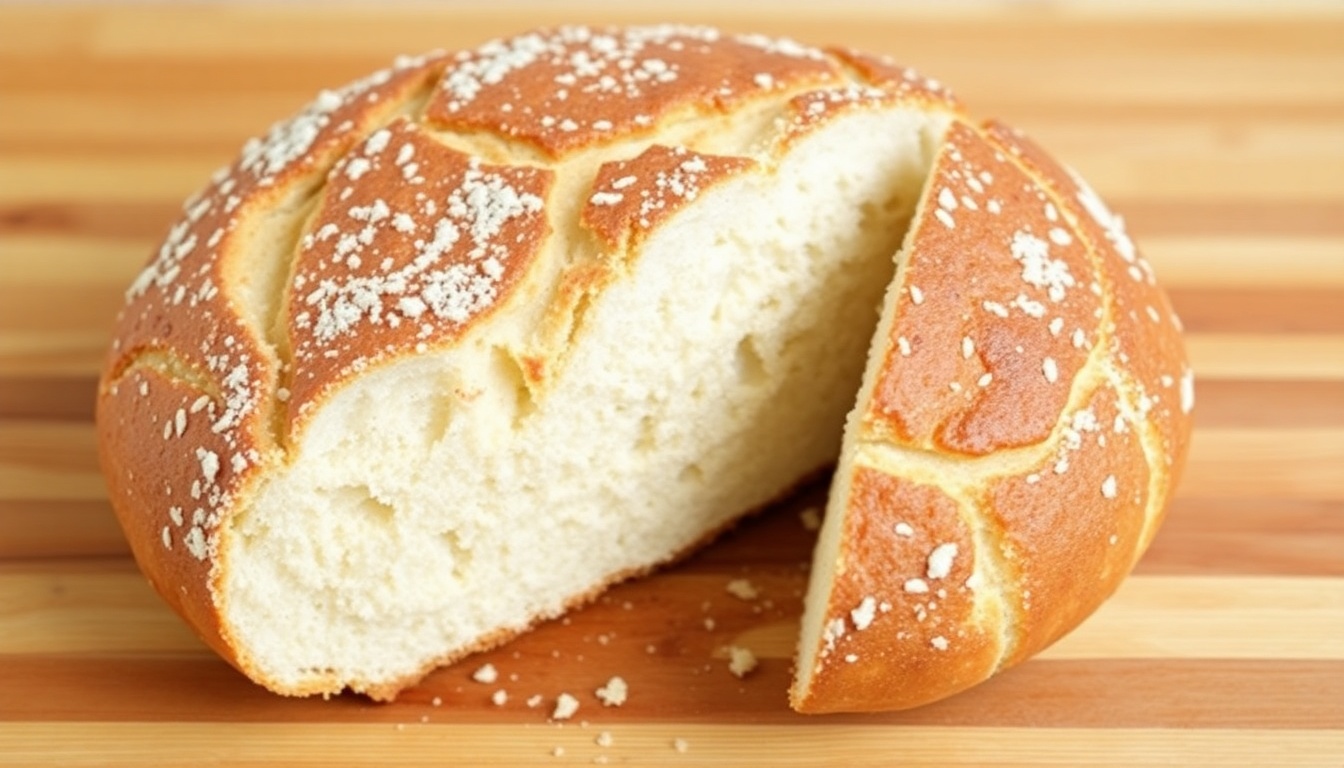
x=1215 y=128
x=428 y=744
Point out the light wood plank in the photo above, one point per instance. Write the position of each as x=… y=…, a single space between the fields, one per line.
x=45 y=261
x=1184 y=160
x=1208 y=260
x=432 y=744
x=88 y=613
x=54 y=353
x=212 y=122
x=1249 y=535
x=1285 y=464
x=130 y=177
x=49 y=460
x=1299 y=311
x=1213 y=617
x=1253 y=357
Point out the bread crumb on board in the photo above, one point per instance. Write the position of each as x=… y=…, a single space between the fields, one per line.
x=811 y=518
x=613 y=694
x=565 y=707
x=742 y=661
x=486 y=674
x=742 y=589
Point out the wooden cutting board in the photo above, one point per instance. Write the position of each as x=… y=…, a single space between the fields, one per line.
x=1219 y=133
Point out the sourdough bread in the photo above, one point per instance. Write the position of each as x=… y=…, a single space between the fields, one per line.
x=470 y=339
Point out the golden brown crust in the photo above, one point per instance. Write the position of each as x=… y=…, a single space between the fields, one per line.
x=413 y=243
x=572 y=88
x=185 y=303
x=997 y=313
x=631 y=198
x=883 y=73
x=904 y=629
x=183 y=299
x=169 y=507
x=1145 y=330
x=1071 y=523
x=883 y=83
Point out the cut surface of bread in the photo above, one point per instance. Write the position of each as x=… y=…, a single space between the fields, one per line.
x=473 y=338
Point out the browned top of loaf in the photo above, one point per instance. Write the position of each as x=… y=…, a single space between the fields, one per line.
x=1142 y=325
x=573 y=88
x=999 y=312
x=1008 y=298
x=411 y=241
x=348 y=300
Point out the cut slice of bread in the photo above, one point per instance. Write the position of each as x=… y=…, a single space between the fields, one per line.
x=471 y=339
x=1006 y=463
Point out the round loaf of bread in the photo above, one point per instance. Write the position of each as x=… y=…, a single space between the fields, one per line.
x=470 y=339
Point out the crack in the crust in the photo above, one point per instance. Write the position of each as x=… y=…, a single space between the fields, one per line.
x=972 y=473
x=272 y=256
x=572 y=246
x=685 y=126
x=966 y=479
x=851 y=73
x=991 y=570
x=511 y=371
x=167 y=363
x=1150 y=442
x=275 y=317
x=486 y=146
x=1127 y=388
x=1103 y=362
